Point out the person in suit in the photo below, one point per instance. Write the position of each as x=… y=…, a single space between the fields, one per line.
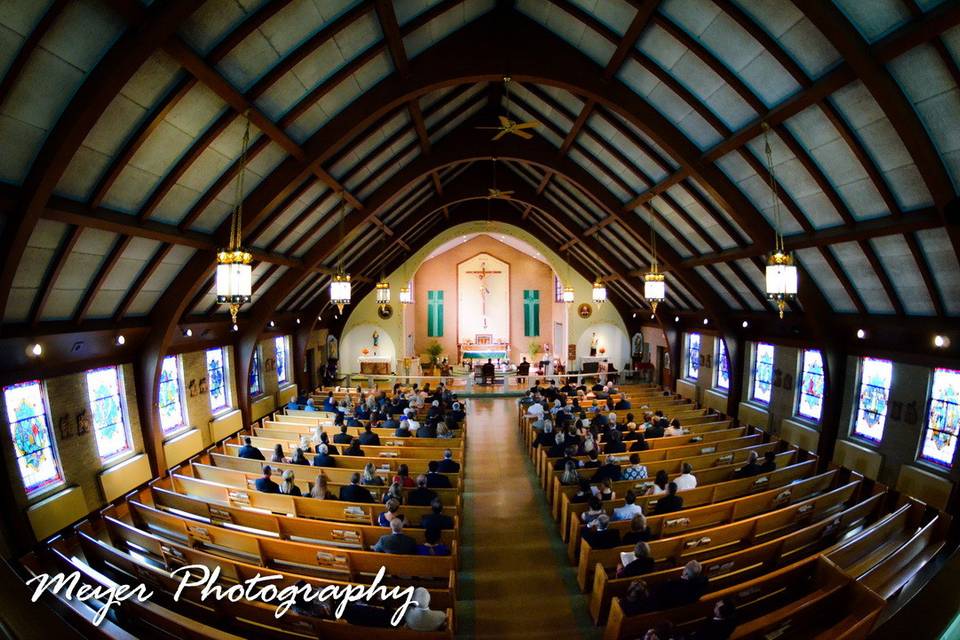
x=353 y=492
x=368 y=437
x=670 y=502
x=615 y=444
x=638 y=600
x=723 y=623
x=610 y=469
x=523 y=371
x=487 y=372
x=426 y=430
x=436 y=480
x=396 y=541
x=643 y=563
x=265 y=483
x=601 y=536
x=323 y=458
x=433 y=543
x=421 y=496
x=403 y=429
x=448 y=465
x=249 y=451
x=331 y=448
x=343 y=437
x=769 y=463
x=436 y=518
x=751 y=468
x=688 y=588
x=593 y=460
x=655 y=430
x=354 y=448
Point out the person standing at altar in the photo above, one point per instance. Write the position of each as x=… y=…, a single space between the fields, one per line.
x=594 y=343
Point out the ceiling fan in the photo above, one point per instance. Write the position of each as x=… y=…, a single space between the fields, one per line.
x=508 y=125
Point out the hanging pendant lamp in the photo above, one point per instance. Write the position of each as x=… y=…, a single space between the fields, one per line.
x=234 y=276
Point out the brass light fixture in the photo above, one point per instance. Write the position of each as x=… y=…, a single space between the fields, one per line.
x=781 y=272
x=654 y=282
x=340 y=284
x=234 y=279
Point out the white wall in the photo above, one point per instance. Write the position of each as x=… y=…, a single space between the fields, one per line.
x=612 y=338
x=360 y=337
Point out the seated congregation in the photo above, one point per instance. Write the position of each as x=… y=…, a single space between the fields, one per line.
x=685 y=524
x=322 y=499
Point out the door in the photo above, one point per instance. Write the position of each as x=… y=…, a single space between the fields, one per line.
x=659 y=375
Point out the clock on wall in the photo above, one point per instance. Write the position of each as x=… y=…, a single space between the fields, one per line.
x=585 y=310
x=385 y=312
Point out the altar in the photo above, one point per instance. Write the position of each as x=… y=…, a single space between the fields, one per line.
x=591 y=364
x=491 y=351
x=375 y=365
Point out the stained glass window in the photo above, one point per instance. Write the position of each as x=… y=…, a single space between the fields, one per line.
x=217 y=379
x=106 y=406
x=171 y=396
x=763 y=373
x=723 y=365
x=256 y=384
x=280 y=347
x=875 y=378
x=943 y=421
x=693 y=355
x=810 y=404
x=32 y=441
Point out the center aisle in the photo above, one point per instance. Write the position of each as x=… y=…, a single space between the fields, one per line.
x=515 y=580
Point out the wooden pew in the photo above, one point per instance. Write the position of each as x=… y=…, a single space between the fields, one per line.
x=266 y=446
x=811 y=598
x=448 y=497
x=293 y=432
x=708 y=504
x=385 y=469
x=249 y=618
x=357 y=463
x=138 y=547
x=757 y=557
x=297 y=556
x=714 y=484
x=332 y=510
x=677 y=550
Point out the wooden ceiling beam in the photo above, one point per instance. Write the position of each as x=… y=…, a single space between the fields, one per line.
x=54 y=268
x=119 y=246
x=629 y=40
x=142 y=278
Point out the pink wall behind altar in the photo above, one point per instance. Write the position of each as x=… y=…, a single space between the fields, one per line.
x=441 y=273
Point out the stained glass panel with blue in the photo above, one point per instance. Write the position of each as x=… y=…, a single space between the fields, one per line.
x=171 y=396
x=280 y=347
x=30 y=431
x=763 y=373
x=875 y=378
x=106 y=407
x=693 y=355
x=216 y=377
x=723 y=365
x=943 y=420
x=811 y=386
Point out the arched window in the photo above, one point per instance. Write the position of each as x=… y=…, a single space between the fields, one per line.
x=763 y=373
x=810 y=401
x=943 y=420
x=172 y=416
x=105 y=390
x=256 y=383
x=280 y=349
x=875 y=378
x=217 y=379
x=723 y=366
x=693 y=355
x=33 y=446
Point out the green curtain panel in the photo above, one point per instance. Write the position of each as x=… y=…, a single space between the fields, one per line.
x=435 y=314
x=531 y=313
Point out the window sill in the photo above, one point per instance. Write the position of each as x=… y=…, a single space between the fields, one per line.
x=873 y=445
x=222 y=411
x=285 y=385
x=934 y=468
x=806 y=422
x=719 y=392
x=46 y=492
x=177 y=433
x=756 y=404
x=117 y=458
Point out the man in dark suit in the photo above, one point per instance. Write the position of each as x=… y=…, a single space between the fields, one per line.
x=421 y=496
x=601 y=537
x=250 y=451
x=641 y=565
x=655 y=430
x=523 y=370
x=368 y=437
x=353 y=492
x=396 y=541
x=265 y=484
x=723 y=623
x=343 y=437
x=448 y=465
x=323 y=458
x=691 y=585
x=427 y=430
x=614 y=444
x=751 y=468
x=487 y=372
x=610 y=469
x=670 y=502
x=437 y=518
x=769 y=463
x=592 y=462
x=436 y=480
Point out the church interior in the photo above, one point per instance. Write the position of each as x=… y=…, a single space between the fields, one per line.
x=480 y=319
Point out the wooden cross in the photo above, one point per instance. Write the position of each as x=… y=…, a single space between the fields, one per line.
x=483 y=271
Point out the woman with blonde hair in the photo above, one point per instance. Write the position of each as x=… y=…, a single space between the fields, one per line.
x=287 y=485
x=370 y=477
x=443 y=431
x=320 y=490
x=570 y=476
x=394 y=492
x=298 y=457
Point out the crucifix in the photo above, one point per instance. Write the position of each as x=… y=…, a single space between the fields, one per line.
x=484 y=292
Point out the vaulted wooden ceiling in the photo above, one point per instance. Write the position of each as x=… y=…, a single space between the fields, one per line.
x=121 y=125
